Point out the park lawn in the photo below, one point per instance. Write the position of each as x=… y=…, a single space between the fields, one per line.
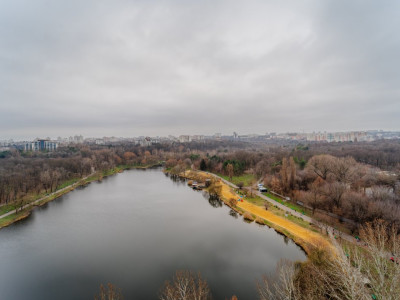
x=6 y=208
x=288 y=204
x=256 y=200
x=277 y=211
x=247 y=179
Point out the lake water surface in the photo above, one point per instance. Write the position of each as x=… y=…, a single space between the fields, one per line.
x=135 y=229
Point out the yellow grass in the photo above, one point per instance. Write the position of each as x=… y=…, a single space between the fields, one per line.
x=304 y=237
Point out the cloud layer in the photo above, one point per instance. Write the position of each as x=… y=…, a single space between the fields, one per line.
x=129 y=68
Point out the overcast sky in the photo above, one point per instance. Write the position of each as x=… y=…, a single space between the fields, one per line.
x=130 y=68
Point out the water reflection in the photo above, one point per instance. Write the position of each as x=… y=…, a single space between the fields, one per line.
x=233 y=213
x=135 y=229
x=177 y=180
x=215 y=201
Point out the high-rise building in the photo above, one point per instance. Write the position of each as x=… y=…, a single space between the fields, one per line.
x=40 y=145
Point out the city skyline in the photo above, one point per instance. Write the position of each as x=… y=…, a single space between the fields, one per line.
x=331 y=136
x=158 y=68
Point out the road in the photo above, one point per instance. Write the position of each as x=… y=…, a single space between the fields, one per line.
x=45 y=197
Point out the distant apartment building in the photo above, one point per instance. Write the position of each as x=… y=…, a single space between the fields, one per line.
x=41 y=145
x=198 y=138
x=217 y=136
x=185 y=139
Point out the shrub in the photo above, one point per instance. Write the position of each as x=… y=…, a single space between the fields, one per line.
x=260 y=221
x=232 y=202
x=248 y=216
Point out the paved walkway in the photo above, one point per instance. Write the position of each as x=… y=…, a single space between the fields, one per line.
x=330 y=230
x=45 y=197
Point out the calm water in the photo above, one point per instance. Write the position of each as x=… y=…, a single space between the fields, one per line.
x=135 y=229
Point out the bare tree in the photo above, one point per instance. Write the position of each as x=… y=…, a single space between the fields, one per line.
x=334 y=193
x=382 y=243
x=344 y=168
x=281 y=285
x=341 y=276
x=185 y=285
x=284 y=175
x=229 y=170
x=111 y=292
x=314 y=197
x=321 y=165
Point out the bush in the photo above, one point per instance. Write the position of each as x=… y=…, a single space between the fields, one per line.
x=260 y=221
x=232 y=202
x=248 y=217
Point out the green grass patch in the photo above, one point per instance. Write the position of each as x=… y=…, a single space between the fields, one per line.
x=67 y=183
x=256 y=200
x=14 y=217
x=6 y=208
x=247 y=179
x=291 y=205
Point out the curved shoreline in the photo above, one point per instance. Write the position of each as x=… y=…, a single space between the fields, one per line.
x=303 y=237
x=11 y=218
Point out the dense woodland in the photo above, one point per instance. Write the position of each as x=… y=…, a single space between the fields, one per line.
x=350 y=181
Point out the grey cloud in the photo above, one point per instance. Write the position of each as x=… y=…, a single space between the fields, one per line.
x=169 y=67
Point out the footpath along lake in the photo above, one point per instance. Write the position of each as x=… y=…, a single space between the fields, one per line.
x=134 y=229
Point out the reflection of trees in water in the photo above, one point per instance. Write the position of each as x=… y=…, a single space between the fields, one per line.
x=286 y=240
x=214 y=201
x=177 y=180
x=233 y=213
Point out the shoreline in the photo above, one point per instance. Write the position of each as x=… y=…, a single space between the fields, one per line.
x=306 y=239
x=11 y=218
x=303 y=237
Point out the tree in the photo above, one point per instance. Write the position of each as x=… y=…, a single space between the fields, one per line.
x=281 y=285
x=284 y=175
x=229 y=170
x=111 y=292
x=129 y=156
x=45 y=178
x=334 y=193
x=314 y=196
x=382 y=242
x=203 y=165
x=356 y=206
x=321 y=165
x=185 y=285
x=344 y=168
x=292 y=172
x=276 y=185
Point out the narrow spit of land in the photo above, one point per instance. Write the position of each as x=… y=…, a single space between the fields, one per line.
x=306 y=238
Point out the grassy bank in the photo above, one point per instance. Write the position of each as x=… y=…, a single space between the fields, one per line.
x=300 y=231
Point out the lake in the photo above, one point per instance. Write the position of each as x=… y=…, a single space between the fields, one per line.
x=135 y=229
